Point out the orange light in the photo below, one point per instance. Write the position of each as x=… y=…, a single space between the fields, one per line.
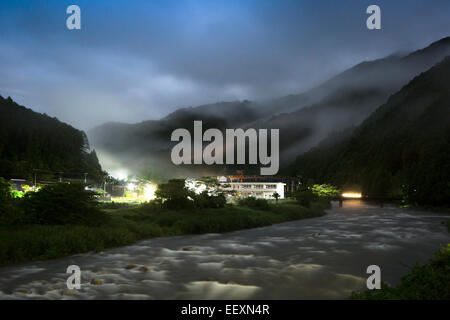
x=351 y=195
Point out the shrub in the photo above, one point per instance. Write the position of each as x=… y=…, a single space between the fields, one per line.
x=254 y=203
x=205 y=200
x=62 y=204
x=113 y=205
x=8 y=213
x=174 y=194
x=5 y=192
x=305 y=197
x=325 y=190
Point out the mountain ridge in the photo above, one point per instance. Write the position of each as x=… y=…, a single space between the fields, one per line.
x=343 y=101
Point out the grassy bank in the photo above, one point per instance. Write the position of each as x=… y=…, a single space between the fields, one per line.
x=125 y=226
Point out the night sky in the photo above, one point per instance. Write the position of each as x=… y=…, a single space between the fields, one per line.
x=139 y=60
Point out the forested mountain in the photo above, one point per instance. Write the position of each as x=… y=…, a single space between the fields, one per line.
x=30 y=140
x=303 y=119
x=401 y=150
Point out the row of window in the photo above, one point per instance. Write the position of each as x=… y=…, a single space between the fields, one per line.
x=255 y=186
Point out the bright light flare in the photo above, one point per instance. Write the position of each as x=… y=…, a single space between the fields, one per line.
x=351 y=195
x=131 y=187
x=149 y=191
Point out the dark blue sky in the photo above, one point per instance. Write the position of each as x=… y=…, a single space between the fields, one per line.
x=138 y=60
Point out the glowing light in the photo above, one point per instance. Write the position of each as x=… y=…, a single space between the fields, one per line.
x=149 y=191
x=131 y=187
x=351 y=195
x=120 y=174
x=197 y=187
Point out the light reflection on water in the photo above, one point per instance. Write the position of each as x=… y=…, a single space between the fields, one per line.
x=323 y=258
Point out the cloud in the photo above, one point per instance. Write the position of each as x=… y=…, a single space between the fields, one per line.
x=139 y=60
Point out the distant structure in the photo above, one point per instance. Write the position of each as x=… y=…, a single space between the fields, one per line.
x=291 y=184
x=19 y=184
x=262 y=187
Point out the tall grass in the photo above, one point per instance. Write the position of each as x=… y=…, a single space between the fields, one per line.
x=128 y=225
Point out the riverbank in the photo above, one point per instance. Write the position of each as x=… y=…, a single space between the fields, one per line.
x=324 y=258
x=125 y=226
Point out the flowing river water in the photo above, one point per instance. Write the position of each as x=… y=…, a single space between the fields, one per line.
x=319 y=258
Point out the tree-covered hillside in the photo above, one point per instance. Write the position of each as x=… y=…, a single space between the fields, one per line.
x=401 y=150
x=30 y=140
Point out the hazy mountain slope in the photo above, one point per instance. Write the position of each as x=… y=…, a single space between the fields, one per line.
x=342 y=102
x=350 y=97
x=145 y=147
x=387 y=74
x=402 y=149
x=30 y=140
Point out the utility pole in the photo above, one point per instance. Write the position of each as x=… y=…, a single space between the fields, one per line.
x=85 y=175
x=35 y=176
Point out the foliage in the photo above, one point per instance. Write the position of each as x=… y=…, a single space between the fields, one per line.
x=205 y=200
x=8 y=212
x=254 y=203
x=325 y=190
x=30 y=140
x=276 y=195
x=305 y=197
x=5 y=191
x=62 y=204
x=174 y=194
x=124 y=226
x=430 y=281
x=113 y=205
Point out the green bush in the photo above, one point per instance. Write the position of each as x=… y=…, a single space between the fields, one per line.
x=305 y=197
x=174 y=194
x=124 y=226
x=254 y=203
x=8 y=213
x=62 y=203
x=5 y=192
x=113 y=205
x=205 y=200
x=325 y=190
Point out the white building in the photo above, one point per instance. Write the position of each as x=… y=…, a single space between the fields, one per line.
x=263 y=190
x=196 y=186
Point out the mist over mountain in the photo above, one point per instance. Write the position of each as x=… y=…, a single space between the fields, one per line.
x=347 y=99
x=401 y=150
x=304 y=119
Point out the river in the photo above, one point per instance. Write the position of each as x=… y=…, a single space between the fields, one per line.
x=319 y=258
